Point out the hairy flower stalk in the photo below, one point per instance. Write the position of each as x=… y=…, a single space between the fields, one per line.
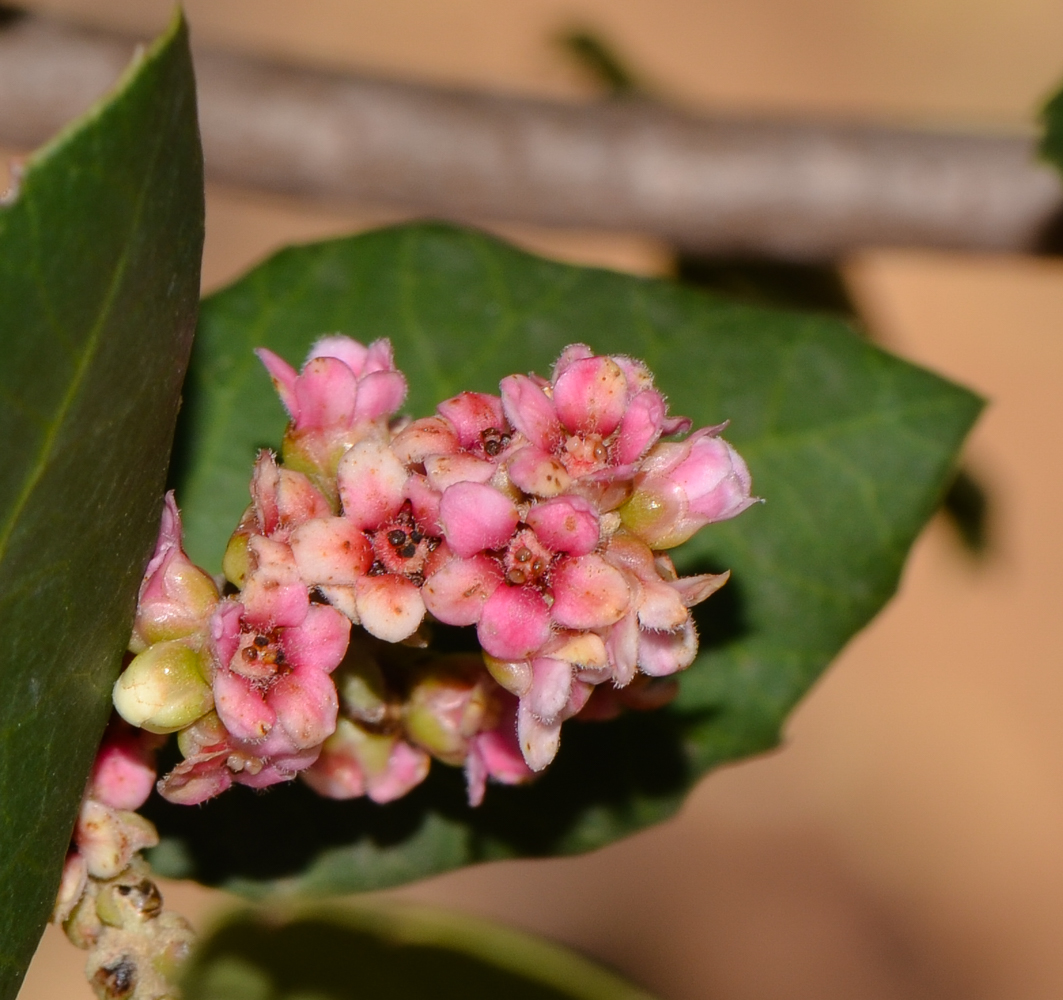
x=540 y=517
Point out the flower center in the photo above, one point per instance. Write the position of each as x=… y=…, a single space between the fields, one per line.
x=402 y=547
x=526 y=559
x=260 y=656
x=582 y=455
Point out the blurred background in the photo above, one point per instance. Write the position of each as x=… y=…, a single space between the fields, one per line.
x=907 y=839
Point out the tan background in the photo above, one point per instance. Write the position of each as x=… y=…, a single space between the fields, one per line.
x=908 y=841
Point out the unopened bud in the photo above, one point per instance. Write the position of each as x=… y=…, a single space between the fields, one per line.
x=164 y=689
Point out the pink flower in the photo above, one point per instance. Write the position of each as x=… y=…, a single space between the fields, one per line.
x=176 y=598
x=518 y=581
x=123 y=773
x=215 y=760
x=657 y=636
x=356 y=761
x=395 y=513
x=272 y=689
x=586 y=427
x=683 y=486
x=344 y=393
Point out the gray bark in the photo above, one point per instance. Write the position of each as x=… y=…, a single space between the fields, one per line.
x=792 y=190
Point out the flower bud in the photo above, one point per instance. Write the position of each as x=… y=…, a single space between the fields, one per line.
x=444 y=709
x=682 y=487
x=176 y=597
x=164 y=689
x=108 y=838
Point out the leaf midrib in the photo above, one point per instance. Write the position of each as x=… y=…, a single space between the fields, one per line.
x=89 y=352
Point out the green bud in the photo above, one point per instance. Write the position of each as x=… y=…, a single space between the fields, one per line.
x=164 y=689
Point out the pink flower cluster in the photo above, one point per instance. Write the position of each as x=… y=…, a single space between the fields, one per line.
x=540 y=516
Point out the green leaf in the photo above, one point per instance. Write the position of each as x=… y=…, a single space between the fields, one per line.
x=99 y=278
x=851 y=448
x=1051 y=148
x=397 y=952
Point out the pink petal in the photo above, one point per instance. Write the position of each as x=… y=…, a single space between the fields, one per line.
x=350 y=352
x=456 y=592
x=550 y=688
x=472 y=413
x=588 y=593
x=276 y=772
x=197 y=779
x=325 y=393
x=515 y=622
x=379 y=357
x=641 y=425
x=565 y=524
x=623 y=645
x=123 y=773
x=424 y=437
x=578 y=697
x=298 y=500
x=389 y=607
x=371 y=482
x=693 y=590
x=425 y=503
x=337 y=774
x=447 y=470
x=530 y=411
x=407 y=768
x=660 y=607
x=241 y=707
x=330 y=551
x=501 y=755
x=306 y=705
x=476 y=517
x=637 y=374
x=283 y=376
x=274 y=594
x=225 y=630
x=475 y=779
x=590 y=395
x=538 y=740
x=264 y=483
x=570 y=355
x=664 y=653
x=380 y=394
x=319 y=641
x=534 y=471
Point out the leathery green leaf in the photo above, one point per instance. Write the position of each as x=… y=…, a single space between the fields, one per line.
x=399 y=952
x=850 y=447
x=99 y=280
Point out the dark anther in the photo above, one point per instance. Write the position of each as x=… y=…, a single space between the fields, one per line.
x=433 y=544
x=493 y=447
x=146 y=897
x=261 y=640
x=416 y=578
x=250 y=653
x=523 y=555
x=118 y=980
x=415 y=536
x=408 y=551
x=278 y=658
x=397 y=537
x=377 y=569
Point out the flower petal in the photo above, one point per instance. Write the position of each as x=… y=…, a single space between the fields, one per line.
x=371 y=481
x=241 y=708
x=664 y=653
x=641 y=426
x=325 y=394
x=565 y=524
x=319 y=641
x=339 y=346
x=283 y=376
x=306 y=705
x=390 y=607
x=424 y=437
x=538 y=740
x=588 y=593
x=534 y=471
x=456 y=592
x=590 y=395
x=550 y=688
x=515 y=622
x=472 y=413
x=446 y=470
x=530 y=411
x=380 y=394
x=331 y=551
x=476 y=517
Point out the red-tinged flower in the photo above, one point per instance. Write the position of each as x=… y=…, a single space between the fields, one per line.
x=215 y=760
x=272 y=689
x=657 y=636
x=396 y=514
x=518 y=581
x=682 y=486
x=344 y=393
x=357 y=761
x=586 y=428
x=281 y=500
x=176 y=598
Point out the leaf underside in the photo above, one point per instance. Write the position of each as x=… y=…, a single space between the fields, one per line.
x=99 y=281
x=850 y=447
x=398 y=952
